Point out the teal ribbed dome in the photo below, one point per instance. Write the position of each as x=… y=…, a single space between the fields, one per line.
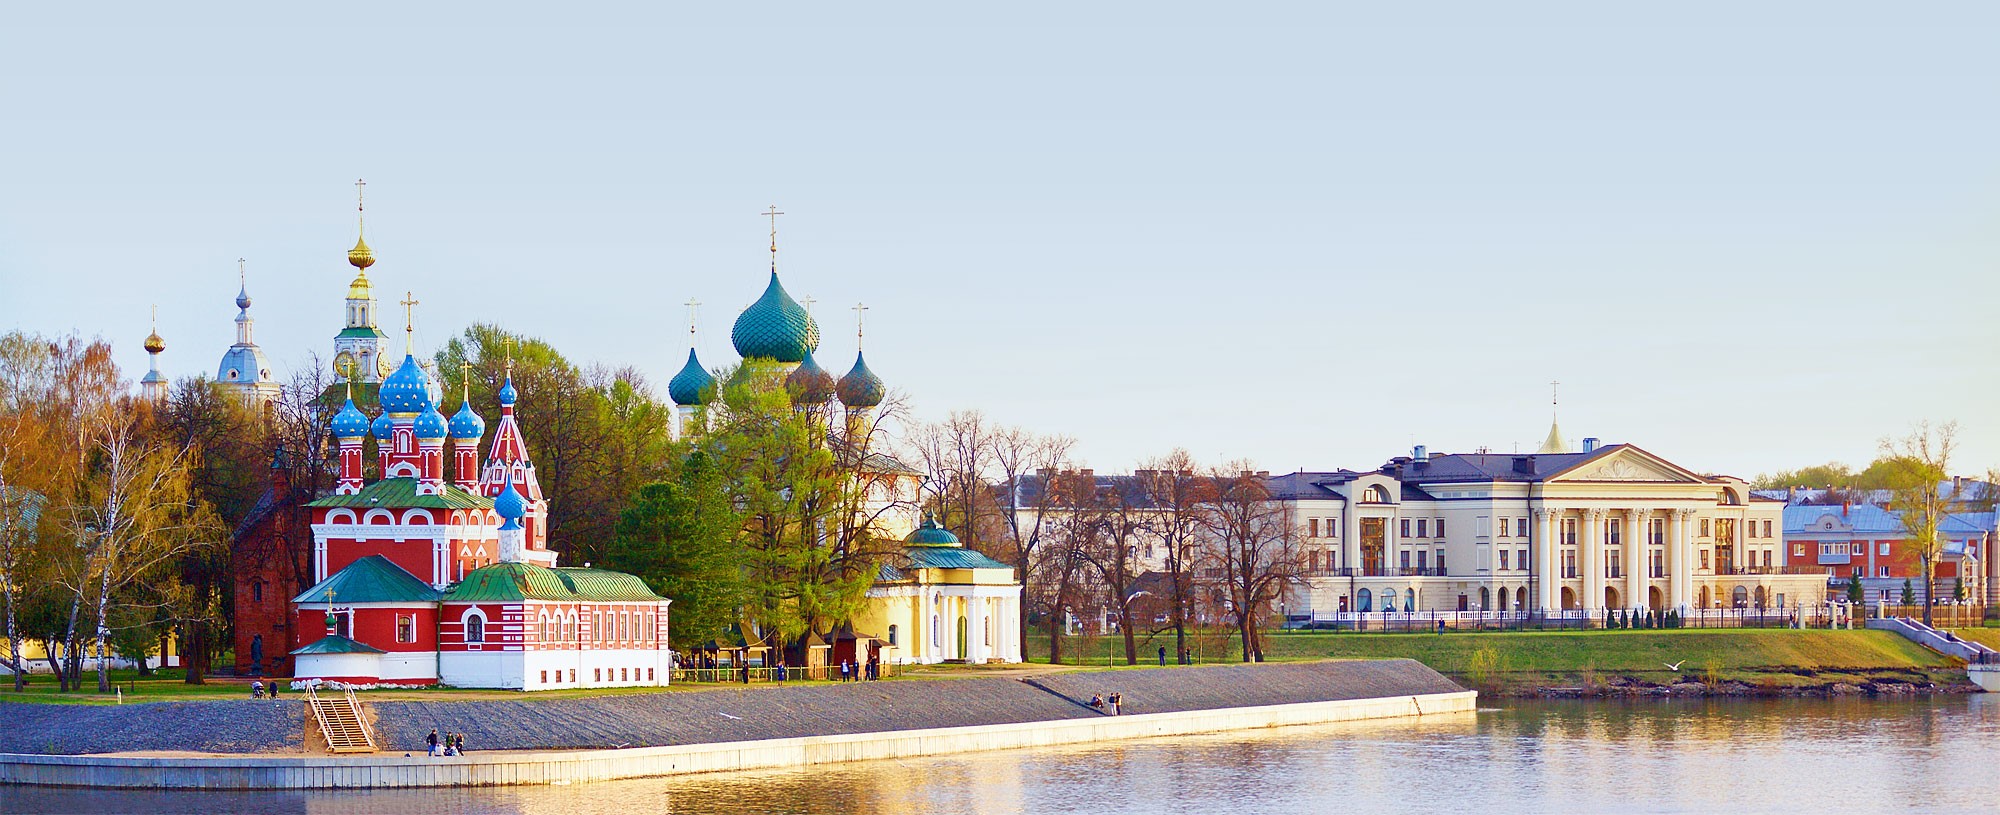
x=694 y=385
x=809 y=384
x=861 y=388
x=930 y=534
x=775 y=327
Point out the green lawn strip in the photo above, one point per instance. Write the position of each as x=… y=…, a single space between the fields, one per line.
x=1989 y=637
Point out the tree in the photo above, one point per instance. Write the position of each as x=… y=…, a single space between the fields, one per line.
x=229 y=449
x=1252 y=548
x=1117 y=525
x=1061 y=568
x=1854 y=591
x=1832 y=474
x=957 y=458
x=679 y=535
x=1177 y=497
x=1017 y=453
x=1910 y=596
x=28 y=459
x=1920 y=464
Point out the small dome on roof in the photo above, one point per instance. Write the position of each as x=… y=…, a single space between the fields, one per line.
x=809 y=384
x=507 y=393
x=384 y=427
x=694 y=385
x=154 y=344
x=931 y=534
x=408 y=390
x=430 y=425
x=861 y=388
x=350 y=422
x=361 y=257
x=775 y=327
x=466 y=424
x=510 y=506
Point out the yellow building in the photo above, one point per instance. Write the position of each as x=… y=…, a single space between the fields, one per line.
x=942 y=602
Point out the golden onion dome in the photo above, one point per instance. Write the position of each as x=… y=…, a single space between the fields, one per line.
x=359 y=289
x=154 y=344
x=361 y=257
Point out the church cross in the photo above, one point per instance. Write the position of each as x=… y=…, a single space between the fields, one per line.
x=241 y=278
x=859 y=313
x=773 y=214
x=359 y=218
x=1552 y=391
x=692 y=304
x=465 y=381
x=809 y=300
x=409 y=303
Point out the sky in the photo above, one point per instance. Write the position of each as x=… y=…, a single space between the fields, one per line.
x=1746 y=237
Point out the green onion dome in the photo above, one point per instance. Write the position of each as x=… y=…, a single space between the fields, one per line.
x=350 y=422
x=931 y=534
x=775 y=327
x=809 y=384
x=694 y=385
x=861 y=388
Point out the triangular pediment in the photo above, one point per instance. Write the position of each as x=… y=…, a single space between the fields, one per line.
x=1628 y=463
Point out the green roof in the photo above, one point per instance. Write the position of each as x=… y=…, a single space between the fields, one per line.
x=401 y=493
x=931 y=534
x=337 y=644
x=372 y=579
x=937 y=557
x=514 y=582
x=363 y=331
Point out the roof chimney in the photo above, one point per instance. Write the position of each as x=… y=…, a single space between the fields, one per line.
x=1422 y=454
x=1590 y=444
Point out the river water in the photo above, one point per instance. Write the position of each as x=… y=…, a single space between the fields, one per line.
x=1939 y=754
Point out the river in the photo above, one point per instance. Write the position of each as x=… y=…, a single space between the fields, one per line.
x=1935 y=754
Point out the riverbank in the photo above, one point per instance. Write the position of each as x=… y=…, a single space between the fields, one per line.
x=1687 y=662
x=629 y=736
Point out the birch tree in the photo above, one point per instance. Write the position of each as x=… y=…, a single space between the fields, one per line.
x=1921 y=462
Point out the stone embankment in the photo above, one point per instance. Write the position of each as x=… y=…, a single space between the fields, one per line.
x=205 y=727
x=1879 y=683
x=772 y=712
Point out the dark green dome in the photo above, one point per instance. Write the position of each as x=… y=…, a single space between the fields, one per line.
x=775 y=327
x=861 y=388
x=694 y=385
x=930 y=534
x=809 y=384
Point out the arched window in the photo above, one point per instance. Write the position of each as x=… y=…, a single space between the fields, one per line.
x=1741 y=597
x=1365 y=601
x=1375 y=495
x=937 y=633
x=1388 y=601
x=1485 y=599
x=257 y=591
x=892 y=635
x=1409 y=599
x=475 y=627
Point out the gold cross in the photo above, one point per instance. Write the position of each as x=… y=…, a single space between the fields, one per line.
x=859 y=310
x=773 y=213
x=360 y=219
x=409 y=301
x=809 y=300
x=347 y=373
x=509 y=342
x=465 y=381
x=692 y=304
x=1552 y=391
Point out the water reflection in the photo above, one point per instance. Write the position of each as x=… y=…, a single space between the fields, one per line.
x=1931 y=755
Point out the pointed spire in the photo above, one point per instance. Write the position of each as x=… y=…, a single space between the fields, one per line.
x=773 y=214
x=360 y=257
x=1554 y=443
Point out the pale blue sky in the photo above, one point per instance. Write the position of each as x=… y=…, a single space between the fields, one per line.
x=1745 y=236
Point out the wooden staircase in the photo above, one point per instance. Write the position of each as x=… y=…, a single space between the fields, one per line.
x=340 y=721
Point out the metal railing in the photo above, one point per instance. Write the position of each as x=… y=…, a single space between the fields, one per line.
x=774 y=673
x=1427 y=621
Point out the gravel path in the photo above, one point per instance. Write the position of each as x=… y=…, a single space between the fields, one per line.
x=210 y=727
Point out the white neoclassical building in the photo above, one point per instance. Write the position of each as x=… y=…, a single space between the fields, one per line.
x=1610 y=527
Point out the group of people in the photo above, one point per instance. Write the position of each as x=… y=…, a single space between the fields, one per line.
x=860 y=671
x=1114 y=701
x=259 y=691
x=453 y=744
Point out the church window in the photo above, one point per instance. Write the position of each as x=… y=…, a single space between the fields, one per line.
x=257 y=591
x=475 y=628
x=892 y=635
x=406 y=628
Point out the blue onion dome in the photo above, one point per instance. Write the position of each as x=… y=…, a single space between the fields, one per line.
x=694 y=385
x=861 y=388
x=931 y=534
x=350 y=422
x=775 y=327
x=243 y=297
x=507 y=393
x=430 y=425
x=466 y=425
x=384 y=427
x=408 y=390
x=510 y=506
x=809 y=384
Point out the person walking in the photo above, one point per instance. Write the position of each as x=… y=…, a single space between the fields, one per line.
x=432 y=740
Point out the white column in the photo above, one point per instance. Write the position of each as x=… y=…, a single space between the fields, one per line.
x=1638 y=567
x=1682 y=553
x=1590 y=557
x=1545 y=561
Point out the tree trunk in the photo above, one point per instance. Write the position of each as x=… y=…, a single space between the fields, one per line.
x=1930 y=584
x=194 y=653
x=14 y=662
x=71 y=667
x=1055 y=638
x=103 y=631
x=1131 y=645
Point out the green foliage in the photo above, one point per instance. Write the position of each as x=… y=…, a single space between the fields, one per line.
x=1958 y=588
x=679 y=536
x=1831 y=474
x=1909 y=593
x=1855 y=594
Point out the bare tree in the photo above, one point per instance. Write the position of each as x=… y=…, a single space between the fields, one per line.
x=1024 y=505
x=1120 y=524
x=1060 y=569
x=1922 y=462
x=1252 y=550
x=1178 y=498
x=956 y=455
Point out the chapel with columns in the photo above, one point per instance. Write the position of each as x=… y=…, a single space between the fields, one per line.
x=1612 y=527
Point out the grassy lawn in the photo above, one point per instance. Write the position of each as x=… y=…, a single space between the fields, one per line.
x=1768 y=657
x=1989 y=637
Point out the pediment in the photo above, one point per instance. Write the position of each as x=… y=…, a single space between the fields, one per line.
x=1629 y=464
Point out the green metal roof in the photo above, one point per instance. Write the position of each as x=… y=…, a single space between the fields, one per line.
x=372 y=579
x=363 y=331
x=337 y=644
x=937 y=557
x=775 y=327
x=929 y=533
x=401 y=493
x=514 y=582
